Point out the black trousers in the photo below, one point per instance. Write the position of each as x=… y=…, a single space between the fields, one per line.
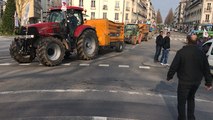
x=186 y=94
x=157 y=53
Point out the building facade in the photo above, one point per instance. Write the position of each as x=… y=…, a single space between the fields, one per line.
x=29 y=11
x=176 y=17
x=199 y=12
x=179 y=14
x=127 y=11
x=151 y=13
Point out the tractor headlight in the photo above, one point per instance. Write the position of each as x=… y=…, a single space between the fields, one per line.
x=32 y=36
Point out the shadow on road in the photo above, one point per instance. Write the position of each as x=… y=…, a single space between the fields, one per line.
x=168 y=88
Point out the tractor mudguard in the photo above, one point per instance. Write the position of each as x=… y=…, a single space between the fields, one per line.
x=80 y=29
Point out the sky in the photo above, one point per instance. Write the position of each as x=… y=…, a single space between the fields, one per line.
x=165 y=5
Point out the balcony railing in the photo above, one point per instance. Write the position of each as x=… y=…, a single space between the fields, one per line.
x=208 y=10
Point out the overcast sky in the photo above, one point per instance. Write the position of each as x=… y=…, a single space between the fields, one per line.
x=165 y=5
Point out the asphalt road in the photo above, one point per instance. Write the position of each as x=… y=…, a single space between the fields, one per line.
x=114 y=86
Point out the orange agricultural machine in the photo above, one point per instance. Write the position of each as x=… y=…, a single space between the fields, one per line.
x=109 y=33
x=135 y=33
x=144 y=29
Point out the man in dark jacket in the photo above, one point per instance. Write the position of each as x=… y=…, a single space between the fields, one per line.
x=191 y=65
x=159 y=43
x=166 y=49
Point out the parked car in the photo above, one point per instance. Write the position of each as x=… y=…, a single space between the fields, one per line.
x=207 y=47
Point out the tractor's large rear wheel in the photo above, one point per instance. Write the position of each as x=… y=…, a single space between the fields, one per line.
x=50 y=51
x=87 y=45
x=16 y=52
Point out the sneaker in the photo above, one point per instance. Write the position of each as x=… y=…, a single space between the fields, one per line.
x=162 y=63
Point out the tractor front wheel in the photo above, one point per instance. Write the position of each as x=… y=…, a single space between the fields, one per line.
x=50 y=51
x=17 y=55
x=87 y=45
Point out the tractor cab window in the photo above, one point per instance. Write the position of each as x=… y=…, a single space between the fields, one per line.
x=56 y=16
x=130 y=27
x=78 y=16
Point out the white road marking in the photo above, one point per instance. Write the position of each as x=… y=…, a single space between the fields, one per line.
x=144 y=67
x=66 y=64
x=84 y=65
x=123 y=66
x=103 y=65
x=95 y=90
x=99 y=118
x=5 y=64
x=25 y=64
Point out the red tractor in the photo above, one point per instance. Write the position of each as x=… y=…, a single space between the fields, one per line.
x=56 y=38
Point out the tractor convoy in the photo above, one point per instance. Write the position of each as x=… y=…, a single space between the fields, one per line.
x=136 y=33
x=63 y=33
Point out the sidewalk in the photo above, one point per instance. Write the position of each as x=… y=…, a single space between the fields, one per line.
x=6 y=38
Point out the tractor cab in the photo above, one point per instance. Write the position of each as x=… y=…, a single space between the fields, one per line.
x=68 y=20
x=131 y=30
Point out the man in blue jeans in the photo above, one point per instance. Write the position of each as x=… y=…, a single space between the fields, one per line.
x=166 y=49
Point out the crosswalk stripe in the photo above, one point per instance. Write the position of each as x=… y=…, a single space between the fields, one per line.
x=25 y=64
x=5 y=64
x=103 y=65
x=83 y=64
x=144 y=67
x=123 y=66
x=66 y=64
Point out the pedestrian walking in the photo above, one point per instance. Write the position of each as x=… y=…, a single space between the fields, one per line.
x=159 y=45
x=191 y=66
x=166 y=49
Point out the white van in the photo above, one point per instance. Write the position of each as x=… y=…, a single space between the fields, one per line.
x=207 y=47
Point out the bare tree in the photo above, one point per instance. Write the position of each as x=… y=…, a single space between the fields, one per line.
x=170 y=17
x=159 y=17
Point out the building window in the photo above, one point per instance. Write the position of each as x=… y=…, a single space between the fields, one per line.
x=81 y=3
x=93 y=3
x=127 y=6
x=104 y=15
x=207 y=18
x=92 y=15
x=208 y=6
x=127 y=16
x=105 y=7
x=117 y=4
x=116 y=16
